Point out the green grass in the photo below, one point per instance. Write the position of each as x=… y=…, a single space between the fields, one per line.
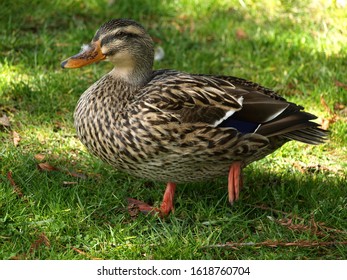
x=298 y=48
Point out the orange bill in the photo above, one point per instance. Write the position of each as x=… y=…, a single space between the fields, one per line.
x=89 y=54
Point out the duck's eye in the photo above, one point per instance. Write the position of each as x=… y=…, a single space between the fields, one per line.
x=113 y=37
x=121 y=34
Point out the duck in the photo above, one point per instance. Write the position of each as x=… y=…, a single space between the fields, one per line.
x=176 y=127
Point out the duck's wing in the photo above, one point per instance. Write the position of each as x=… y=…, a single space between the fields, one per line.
x=191 y=98
x=223 y=101
x=275 y=115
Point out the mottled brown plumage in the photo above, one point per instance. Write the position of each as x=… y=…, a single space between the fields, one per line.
x=177 y=127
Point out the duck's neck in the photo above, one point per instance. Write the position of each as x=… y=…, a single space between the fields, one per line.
x=135 y=71
x=130 y=76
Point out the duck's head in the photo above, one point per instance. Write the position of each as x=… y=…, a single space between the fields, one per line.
x=123 y=42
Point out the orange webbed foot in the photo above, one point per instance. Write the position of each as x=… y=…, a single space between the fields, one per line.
x=165 y=208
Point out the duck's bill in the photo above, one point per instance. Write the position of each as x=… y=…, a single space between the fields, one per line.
x=89 y=54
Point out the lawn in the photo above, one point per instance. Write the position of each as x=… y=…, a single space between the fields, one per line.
x=59 y=202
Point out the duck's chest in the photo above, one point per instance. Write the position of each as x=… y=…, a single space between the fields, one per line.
x=105 y=125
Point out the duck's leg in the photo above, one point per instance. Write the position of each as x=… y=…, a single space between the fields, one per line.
x=234 y=181
x=166 y=205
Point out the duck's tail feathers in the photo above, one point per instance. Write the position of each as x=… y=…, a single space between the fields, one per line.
x=297 y=126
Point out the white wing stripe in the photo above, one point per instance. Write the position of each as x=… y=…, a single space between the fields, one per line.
x=229 y=113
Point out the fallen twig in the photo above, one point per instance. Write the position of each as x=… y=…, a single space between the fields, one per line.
x=16 y=189
x=84 y=254
x=270 y=243
x=288 y=221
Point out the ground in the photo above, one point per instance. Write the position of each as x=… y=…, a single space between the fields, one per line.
x=59 y=202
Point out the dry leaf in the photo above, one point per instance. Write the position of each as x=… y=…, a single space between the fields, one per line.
x=16 y=138
x=39 y=157
x=241 y=34
x=326 y=122
x=5 y=121
x=45 y=166
x=341 y=85
x=133 y=208
x=42 y=240
x=16 y=189
x=325 y=105
x=339 y=106
x=19 y=257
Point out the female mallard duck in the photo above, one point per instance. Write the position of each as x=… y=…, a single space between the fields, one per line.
x=177 y=127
